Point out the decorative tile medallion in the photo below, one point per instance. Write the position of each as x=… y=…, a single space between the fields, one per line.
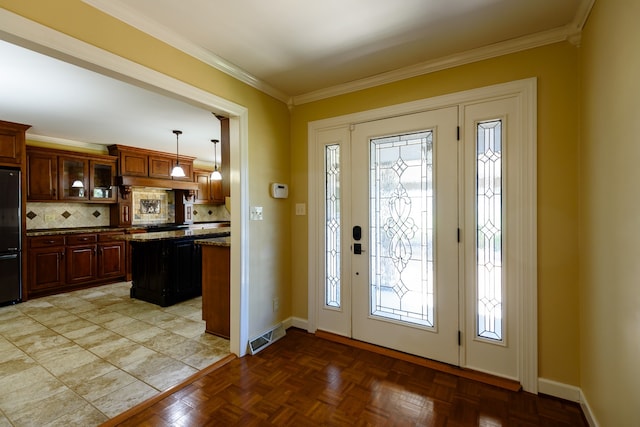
x=31 y=215
x=66 y=214
x=96 y=214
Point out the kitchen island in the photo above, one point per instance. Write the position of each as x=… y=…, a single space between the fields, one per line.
x=216 y=268
x=167 y=266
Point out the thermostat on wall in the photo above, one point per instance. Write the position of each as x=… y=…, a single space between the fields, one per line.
x=279 y=191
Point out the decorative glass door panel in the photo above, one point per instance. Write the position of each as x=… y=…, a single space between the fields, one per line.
x=332 y=297
x=401 y=207
x=489 y=229
x=404 y=269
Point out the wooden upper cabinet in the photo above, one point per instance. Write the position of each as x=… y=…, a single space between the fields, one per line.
x=209 y=191
x=12 y=140
x=73 y=178
x=187 y=167
x=133 y=163
x=66 y=175
x=101 y=180
x=139 y=162
x=204 y=189
x=160 y=167
x=42 y=176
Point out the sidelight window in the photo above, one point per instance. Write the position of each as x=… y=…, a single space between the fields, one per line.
x=489 y=230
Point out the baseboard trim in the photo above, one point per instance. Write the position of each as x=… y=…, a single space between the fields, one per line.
x=568 y=392
x=561 y=390
x=296 y=322
x=586 y=410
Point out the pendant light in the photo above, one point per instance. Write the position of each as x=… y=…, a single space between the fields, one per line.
x=177 y=171
x=215 y=175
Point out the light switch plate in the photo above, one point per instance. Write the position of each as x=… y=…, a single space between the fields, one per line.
x=301 y=209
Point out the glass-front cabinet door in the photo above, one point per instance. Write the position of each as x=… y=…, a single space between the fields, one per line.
x=101 y=182
x=73 y=178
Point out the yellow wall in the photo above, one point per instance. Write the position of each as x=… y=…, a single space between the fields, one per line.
x=610 y=213
x=268 y=136
x=277 y=152
x=556 y=68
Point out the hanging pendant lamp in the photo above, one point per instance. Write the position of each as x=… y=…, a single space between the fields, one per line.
x=177 y=171
x=215 y=175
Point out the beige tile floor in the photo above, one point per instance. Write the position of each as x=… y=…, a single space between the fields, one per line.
x=80 y=358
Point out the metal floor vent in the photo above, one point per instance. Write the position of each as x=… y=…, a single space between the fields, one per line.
x=258 y=343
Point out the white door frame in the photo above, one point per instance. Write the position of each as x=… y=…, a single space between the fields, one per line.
x=526 y=257
x=31 y=35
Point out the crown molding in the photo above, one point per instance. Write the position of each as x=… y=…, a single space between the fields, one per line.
x=451 y=61
x=90 y=146
x=571 y=33
x=130 y=17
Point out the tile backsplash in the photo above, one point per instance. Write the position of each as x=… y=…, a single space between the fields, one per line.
x=206 y=213
x=66 y=215
x=153 y=206
x=72 y=215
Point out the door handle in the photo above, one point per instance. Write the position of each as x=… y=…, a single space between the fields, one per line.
x=357 y=249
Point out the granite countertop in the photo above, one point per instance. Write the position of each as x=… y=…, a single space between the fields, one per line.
x=215 y=241
x=78 y=230
x=176 y=234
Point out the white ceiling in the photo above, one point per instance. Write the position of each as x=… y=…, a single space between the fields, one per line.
x=288 y=48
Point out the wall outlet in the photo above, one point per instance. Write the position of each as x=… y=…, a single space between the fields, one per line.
x=276 y=304
x=256 y=213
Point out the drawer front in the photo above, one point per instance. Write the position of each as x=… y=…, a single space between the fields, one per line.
x=109 y=237
x=81 y=239
x=46 y=241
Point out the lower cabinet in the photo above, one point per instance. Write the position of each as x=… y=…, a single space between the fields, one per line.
x=165 y=272
x=81 y=259
x=216 y=267
x=63 y=263
x=46 y=265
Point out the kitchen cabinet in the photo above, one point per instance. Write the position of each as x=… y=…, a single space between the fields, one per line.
x=131 y=163
x=46 y=264
x=143 y=163
x=216 y=267
x=102 y=181
x=12 y=142
x=63 y=263
x=73 y=178
x=42 y=176
x=111 y=256
x=81 y=259
x=209 y=191
x=160 y=167
x=69 y=176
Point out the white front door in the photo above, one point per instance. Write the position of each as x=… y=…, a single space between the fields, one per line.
x=404 y=265
x=423 y=236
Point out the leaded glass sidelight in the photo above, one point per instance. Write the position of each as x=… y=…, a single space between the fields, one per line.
x=401 y=206
x=489 y=229
x=332 y=225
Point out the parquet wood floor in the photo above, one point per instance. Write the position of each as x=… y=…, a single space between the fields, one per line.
x=303 y=380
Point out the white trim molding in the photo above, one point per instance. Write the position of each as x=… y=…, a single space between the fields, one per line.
x=570 y=393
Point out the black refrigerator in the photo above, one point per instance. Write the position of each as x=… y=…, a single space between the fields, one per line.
x=10 y=237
